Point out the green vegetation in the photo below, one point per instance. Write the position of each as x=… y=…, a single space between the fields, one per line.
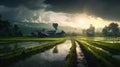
x=28 y=38
x=13 y=53
x=71 y=59
x=21 y=39
x=104 y=59
x=113 y=48
x=111 y=30
x=44 y=46
x=40 y=48
x=100 y=51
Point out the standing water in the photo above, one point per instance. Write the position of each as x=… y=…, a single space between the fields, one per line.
x=80 y=57
x=54 y=57
x=6 y=48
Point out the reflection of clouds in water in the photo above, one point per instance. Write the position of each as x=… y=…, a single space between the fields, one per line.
x=47 y=58
x=22 y=44
x=80 y=56
x=63 y=50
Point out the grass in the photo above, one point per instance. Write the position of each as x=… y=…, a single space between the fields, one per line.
x=21 y=51
x=113 y=48
x=71 y=59
x=44 y=46
x=21 y=39
x=11 y=54
x=105 y=60
x=28 y=38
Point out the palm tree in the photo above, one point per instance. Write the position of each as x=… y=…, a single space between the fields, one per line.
x=55 y=25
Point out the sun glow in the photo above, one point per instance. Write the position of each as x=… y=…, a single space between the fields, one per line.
x=80 y=20
x=85 y=20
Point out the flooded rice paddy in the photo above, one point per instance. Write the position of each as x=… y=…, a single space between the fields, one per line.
x=54 y=57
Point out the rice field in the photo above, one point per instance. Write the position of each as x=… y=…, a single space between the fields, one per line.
x=80 y=52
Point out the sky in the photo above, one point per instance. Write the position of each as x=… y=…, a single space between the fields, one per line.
x=74 y=13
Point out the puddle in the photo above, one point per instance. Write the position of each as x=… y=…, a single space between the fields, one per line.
x=80 y=56
x=54 y=57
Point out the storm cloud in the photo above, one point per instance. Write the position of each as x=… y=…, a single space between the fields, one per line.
x=30 y=4
x=106 y=9
x=68 y=6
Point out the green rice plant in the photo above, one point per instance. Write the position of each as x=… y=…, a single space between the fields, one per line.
x=71 y=59
x=29 y=38
x=44 y=46
x=13 y=53
x=113 y=48
x=21 y=51
x=105 y=60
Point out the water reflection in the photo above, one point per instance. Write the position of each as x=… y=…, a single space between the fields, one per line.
x=22 y=44
x=5 y=48
x=80 y=57
x=47 y=58
x=55 y=50
x=116 y=56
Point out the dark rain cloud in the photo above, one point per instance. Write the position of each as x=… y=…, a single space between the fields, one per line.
x=31 y=4
x=106 y=9
x=18 y=10
x=69 y=6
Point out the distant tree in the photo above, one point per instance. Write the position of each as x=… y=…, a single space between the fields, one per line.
x=111 y=30
x=90 y=31
x=0 y=18
x=43 y=30
x=16 y=28
x=114 y=29
x=17 y=31
x=1 y=23
x=105 y=31
x=5 y=28
x=55 y=25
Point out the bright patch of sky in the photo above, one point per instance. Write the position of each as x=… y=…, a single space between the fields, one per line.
x=82 y=20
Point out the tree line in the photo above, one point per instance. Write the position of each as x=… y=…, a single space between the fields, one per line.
x=6 y=29
x=112 y=30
